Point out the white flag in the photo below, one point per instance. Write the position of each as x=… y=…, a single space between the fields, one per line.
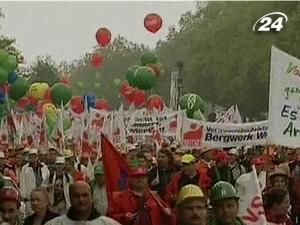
x=251 y=209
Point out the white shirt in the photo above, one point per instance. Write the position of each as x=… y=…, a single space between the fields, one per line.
x=64 y=220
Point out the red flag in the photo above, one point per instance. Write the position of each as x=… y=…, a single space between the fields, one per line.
x=117 y=171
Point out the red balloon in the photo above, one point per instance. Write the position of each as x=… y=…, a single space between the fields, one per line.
x=103 y=36
x=22 y=103
x=102 y=104
x=48 y=96
x=97 y=60
x=153 y=22
x=77 y=104
x=139 y=97
x=127 y=91
x=155 y=102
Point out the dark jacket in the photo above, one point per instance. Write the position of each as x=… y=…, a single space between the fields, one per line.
x=164 y=176
x=49 y=216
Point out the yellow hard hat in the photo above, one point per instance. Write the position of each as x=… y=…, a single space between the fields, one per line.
x=188 y=158
x=68 y=153
x=189 y=191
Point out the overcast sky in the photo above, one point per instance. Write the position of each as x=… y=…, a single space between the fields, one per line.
x=66 y=30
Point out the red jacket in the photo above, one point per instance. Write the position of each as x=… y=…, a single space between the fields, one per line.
x=126 y=202
x=172 y=188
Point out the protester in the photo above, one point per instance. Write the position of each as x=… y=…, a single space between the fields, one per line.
x=59 y=187
x=279 y=179
x=10 y=203
x=81 y=210
x=34 y=174
x=277 y=203
x=160 y=176
x=99 y=191
x=189 y=175
x=225 y=202
x=137 y=205
x=191 y=206
x=237 y=169
x=40 y=206
x=221 y=171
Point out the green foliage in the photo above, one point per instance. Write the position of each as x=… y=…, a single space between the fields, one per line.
x=44 y=69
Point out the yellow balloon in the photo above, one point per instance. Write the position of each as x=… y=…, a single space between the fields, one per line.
x=49 y=108
x=38 y=90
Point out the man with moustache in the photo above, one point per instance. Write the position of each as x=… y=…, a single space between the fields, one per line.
x=191 y=206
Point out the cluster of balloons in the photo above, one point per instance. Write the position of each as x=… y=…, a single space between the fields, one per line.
x=193 y=104
x=103 y=38
x=138 y=97
x=78 y=103
x=144 y=77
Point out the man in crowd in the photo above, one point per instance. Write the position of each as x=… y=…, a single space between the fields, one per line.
x=59 y=187
x=81 y=210
x=225 y=202
x=33 y=174
x=236 y=167
x=137 y=205
x=99 y=191
x=9 y=206
x=189 y=175
x=191 y=206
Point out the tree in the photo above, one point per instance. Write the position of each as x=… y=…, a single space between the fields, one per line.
x=44 y=69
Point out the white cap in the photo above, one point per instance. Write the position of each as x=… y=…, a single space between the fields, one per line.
x=233 y=151
x=33 y=151
x=60 y=160
x=2 y=156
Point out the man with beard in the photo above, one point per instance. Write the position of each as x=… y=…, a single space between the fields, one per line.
x=191 y=206
x=81 y=210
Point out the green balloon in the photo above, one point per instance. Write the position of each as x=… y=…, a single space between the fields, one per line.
x=3 y=56
x=191 y=103
x=130 y=75
x=61 y=94
x=149 y=58
x=51 y=119
x=197 y=115
x=3 y=76
x=11 y=63
x=145 y=78
x=117 y=82
x=18 y=89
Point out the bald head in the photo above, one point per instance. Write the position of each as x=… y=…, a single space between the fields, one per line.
x=81 y=196
x=79 y=185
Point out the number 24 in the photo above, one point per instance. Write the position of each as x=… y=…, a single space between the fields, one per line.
x=266 y=21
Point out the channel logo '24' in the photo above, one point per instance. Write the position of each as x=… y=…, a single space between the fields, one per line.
x=273 y=21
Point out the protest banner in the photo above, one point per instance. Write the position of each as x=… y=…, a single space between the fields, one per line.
x=144 y=124
x=200 y=134
x=284 y=101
